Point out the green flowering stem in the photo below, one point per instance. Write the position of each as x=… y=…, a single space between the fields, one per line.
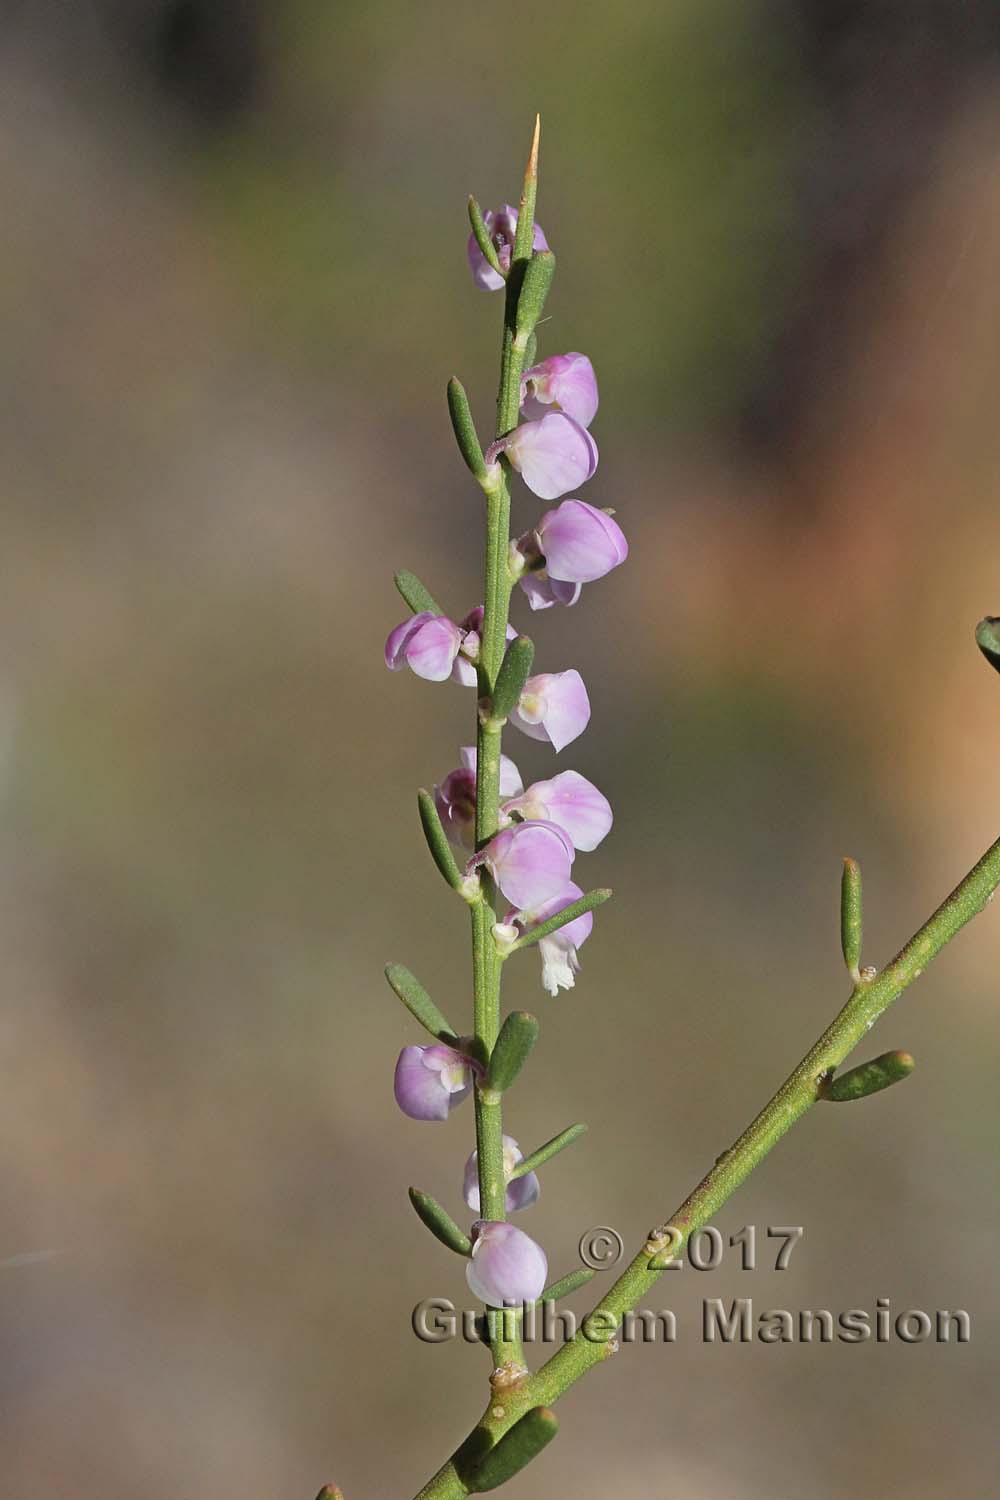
x=497 y=586
x=804 y=1086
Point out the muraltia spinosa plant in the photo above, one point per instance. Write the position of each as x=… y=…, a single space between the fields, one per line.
x=509 y=854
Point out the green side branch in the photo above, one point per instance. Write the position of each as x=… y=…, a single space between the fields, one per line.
x=869 y=999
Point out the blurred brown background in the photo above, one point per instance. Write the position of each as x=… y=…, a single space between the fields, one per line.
x=233 y=285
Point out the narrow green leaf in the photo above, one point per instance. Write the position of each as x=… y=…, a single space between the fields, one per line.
x=568 y=914
x=515 y=1450
x=514 y=672
x=869 y=1078
x=538 y=274
x=464 y=428
x=483 y=240
x=850 y=917
x=518 y=1035
x=571 y=1282
x=548 y=1150
x=437 y=841
x=440 y=1223
x=416 y=596
x=419 y=1003
x=988 y=639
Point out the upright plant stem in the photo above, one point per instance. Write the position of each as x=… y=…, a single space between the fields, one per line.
x=489 y=737
x=797 y=1094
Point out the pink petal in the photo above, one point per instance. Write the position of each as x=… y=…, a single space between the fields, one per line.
x=425 y=1081
x=506 y=1265
x=571 y=801
x=431 y=650
x=395 y=646
x=564 y=381
x=530 y=861
x=553 y=456
x=521 y=1193
x=554 y=706
x=501 y=226
x=543 y=591
x=580 y=543
x=510 y=776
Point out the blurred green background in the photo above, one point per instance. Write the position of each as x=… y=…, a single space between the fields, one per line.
x=232 y=287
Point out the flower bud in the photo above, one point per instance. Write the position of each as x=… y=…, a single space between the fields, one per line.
x=506 y=1266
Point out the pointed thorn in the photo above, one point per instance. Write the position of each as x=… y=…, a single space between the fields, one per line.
x=532 y=170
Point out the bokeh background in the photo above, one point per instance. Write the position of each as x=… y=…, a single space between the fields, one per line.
x=232 y=286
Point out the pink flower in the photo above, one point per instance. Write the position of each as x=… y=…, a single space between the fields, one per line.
x=506 y=1266
x=552 y=456
x=521 y=1193
x=430 y=1081
x=563 y=382
x=570 y=801
x=428 y=644
x=529 y=861
x=455 y=798
x=501 y=226
x=574 y=544
x=558 y=951
x=435 y=648
x=554 y=706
